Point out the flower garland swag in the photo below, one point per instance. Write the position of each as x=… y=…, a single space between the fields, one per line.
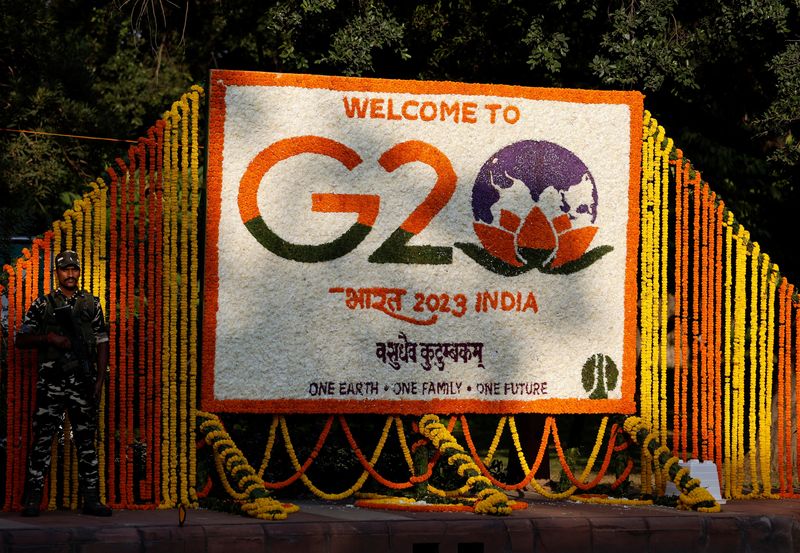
x=693 y=497
x=487 y=498
x=232 y=466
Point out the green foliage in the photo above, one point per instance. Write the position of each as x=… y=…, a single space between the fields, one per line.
x=547 y=51
x=352 y=45
x=70 y=68
x=722 y=77
x=781 y=118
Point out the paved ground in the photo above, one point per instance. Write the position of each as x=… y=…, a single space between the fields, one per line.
x=544 y=527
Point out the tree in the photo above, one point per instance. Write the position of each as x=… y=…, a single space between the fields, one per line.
x=71 y=69
x=723 y=77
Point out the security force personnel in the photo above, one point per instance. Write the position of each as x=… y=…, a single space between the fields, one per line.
x=65 y=380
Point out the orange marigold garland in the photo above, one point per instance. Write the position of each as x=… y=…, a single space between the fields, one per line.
x=677 y=362
x=703 y=342
x=718 y=270
x=695 y=329
x=126 y=461
x=796 y=307
x=369 y=464
x=684 y=311
x=782 y=403
x=174 y=326
x=110 y=397
x=11 y=462
x=122 y=372
x=301 y=470
x=142 y=382
x=158 y=337
x=147 y=485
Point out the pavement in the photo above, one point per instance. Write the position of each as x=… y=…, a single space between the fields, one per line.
x=768 y=526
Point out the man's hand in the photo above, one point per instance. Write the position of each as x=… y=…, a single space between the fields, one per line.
x=58 y=341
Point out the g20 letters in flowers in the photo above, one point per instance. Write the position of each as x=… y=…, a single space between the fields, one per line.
x=534 y=205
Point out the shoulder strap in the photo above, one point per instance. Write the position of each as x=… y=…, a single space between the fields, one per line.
x=85 y=302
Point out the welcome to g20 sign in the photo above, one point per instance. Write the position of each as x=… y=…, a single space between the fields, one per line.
x=394 y=246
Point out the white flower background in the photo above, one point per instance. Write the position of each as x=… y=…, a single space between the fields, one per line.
x=279 y=330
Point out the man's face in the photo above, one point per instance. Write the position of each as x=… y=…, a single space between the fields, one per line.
x=68 y=277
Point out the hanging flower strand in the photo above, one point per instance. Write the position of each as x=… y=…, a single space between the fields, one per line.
x=693 y=496
x=247 y=487
x=490 y=499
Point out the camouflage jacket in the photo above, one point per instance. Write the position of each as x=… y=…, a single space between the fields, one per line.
x=39 y=319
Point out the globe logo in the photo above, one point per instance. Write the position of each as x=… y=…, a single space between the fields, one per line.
x=535 y=205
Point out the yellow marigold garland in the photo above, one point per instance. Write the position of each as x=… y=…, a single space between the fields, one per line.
x=490 y=499
x=185 y=403
x=307 y=481
x=51 y=502
x=768 y=348
x=656 y=151
x=538 y=488
x=401 y=436
x=495 y=441
x=692 y=496
x=755 y=273
x=273 y=427
x=168 y=499
x=728 y=357
x=739 y=355
x=232 y=466
x=763 y=399
x=194 y=193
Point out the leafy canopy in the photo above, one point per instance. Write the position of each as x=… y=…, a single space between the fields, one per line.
x=723 y=77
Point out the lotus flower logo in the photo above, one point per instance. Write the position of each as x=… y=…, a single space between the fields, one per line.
x=534 y=205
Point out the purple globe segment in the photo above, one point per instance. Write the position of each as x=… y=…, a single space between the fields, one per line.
x=532 y=173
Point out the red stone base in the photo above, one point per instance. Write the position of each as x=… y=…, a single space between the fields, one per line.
x=544 y=527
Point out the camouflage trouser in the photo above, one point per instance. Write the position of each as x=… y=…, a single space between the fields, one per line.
x=56 y=393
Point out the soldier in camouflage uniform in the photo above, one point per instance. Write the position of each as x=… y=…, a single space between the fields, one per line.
x=65 y=381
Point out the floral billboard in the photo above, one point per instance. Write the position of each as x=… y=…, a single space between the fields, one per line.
x=399 y=246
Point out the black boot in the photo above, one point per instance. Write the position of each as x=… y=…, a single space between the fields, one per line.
x=32 y=503
x=93 y=506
